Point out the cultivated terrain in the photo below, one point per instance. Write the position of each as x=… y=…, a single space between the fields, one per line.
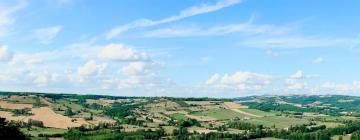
x=72 y=116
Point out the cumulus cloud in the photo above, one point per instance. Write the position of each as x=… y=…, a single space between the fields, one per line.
x=300 y=75
x=43 y=79
x=342 y=87
x=294 y=84
x=240 y=81
x=119 y=52
x=138 y=68
x=298 y=80
x=189 y=12
x=91 y=68
x=46 y=35
x=5 y=54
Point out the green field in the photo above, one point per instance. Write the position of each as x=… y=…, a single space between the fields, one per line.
x=73 y=106
x=22 y=100
x=258 y=112
x=221 y=114
x=347 y=137
x=279 y=122
x=64 y=103
x=331 y=124
x=35 y=131
x=178 y=116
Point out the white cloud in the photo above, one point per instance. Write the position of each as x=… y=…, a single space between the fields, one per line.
x=299 y=42
x=354 y=87
x=41 y=80
x=119 y=52
x=294 y=84
x=44 y=79
x=91 y=68
x=138 y=68
x=88 y=70
x=240 y=81
x=6 y=14
x=46 y=35
x=189 y=12
x=247 y=28
x=271 y=53
x=79 y=68
x=297 y=75
x=298 y=81
x=5 y=54
x=337 y=87
x=300 y=75
x=318 y=60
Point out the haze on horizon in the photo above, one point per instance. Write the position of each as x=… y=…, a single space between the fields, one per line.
x=213 y=48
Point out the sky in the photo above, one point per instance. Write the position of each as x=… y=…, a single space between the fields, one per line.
x=180 y=48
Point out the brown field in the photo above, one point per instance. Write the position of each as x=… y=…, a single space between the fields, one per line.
x=48 y=117
x=169 y=129
x=98 y=120
x=9 y=116
x=7 y=105
x=232 y=105
x=200 y=130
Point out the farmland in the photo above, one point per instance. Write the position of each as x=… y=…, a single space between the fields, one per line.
x=58 y=116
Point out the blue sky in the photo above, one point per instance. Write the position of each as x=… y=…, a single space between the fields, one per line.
x=214 y=48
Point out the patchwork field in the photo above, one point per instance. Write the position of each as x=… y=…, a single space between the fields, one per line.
x=104 y=117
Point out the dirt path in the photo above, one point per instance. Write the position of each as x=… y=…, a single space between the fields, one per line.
x=245 y=113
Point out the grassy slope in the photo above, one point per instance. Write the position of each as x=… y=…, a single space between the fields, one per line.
x=35 y=131
x=178 y=116
x=279 y=122
x=221 y=114
x=259 y=112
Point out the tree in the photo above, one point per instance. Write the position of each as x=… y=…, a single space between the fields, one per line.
x=69 y=112
x=37 y=103
x=10 y=131
x=355 y=135
x=35 y=123
x=73 y=134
